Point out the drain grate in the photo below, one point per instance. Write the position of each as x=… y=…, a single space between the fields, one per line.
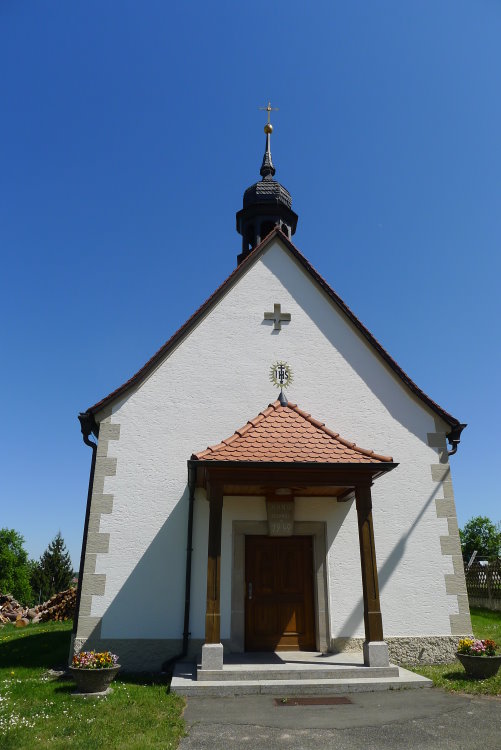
x=327 y=700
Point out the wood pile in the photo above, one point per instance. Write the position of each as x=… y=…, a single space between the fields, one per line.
x=59 y=607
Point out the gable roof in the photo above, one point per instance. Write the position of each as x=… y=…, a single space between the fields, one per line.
x=286 y=433
x=335 y=298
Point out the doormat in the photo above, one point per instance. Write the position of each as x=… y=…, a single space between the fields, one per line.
x=328 y=700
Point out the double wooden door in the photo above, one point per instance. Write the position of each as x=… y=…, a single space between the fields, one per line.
x=279 y=608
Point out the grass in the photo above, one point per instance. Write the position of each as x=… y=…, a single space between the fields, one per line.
x=36 y=710
x=486 y=624
x=452 y=677
x=140 y=714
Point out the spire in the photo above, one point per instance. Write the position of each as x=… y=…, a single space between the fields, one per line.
x=266 y=204
x=267 y=169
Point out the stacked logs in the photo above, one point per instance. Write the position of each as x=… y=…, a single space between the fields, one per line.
x=59 y=607
x=9 y=609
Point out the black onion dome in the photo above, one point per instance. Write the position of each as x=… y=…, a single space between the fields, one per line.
x=267 y=191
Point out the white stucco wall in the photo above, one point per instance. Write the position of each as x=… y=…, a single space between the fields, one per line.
x=210 y=385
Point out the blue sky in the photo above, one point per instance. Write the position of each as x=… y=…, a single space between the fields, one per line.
x=128 y=132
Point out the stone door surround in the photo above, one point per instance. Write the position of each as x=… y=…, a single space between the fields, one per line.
x=241 y=529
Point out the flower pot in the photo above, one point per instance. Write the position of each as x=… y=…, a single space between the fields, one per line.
x=94 y=680
x=480 y=666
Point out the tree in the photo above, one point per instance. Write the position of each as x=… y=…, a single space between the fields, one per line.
x=14 y=566
x=480 y=534
x=53 y=572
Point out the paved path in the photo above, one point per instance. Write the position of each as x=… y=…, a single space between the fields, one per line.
x=418 y=719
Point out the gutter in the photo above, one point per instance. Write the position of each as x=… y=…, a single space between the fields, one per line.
x=454 y=438
x=89 y=427
x=169 y=663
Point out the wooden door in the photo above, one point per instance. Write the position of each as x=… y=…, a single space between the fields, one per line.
x=279 y=609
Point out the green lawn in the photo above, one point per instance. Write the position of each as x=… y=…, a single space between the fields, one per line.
x=452 y=677
x=486 y=624
x=36 y=711
x=140 y=714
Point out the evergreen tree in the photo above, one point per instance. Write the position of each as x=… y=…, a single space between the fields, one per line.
x=53 y=572
x=14 y=566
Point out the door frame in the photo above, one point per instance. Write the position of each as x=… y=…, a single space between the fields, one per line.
x=315 y=529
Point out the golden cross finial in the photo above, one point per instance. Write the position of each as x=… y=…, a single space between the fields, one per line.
x=269 y=109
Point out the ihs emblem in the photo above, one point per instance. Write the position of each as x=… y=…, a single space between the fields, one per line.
x=281 y=375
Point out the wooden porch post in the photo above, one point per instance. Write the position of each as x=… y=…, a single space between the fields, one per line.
x=370 y=585
x=213 y=609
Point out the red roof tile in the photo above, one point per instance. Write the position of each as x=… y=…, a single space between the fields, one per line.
x=287 y=433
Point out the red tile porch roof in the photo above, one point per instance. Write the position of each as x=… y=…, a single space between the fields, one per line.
x=287 y=433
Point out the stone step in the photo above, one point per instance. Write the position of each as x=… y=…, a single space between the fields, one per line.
x=184 y=683
x=247 y=673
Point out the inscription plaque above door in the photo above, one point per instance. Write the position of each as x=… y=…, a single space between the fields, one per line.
x=280 y=512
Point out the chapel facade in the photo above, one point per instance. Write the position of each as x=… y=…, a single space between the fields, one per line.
x=303 y=514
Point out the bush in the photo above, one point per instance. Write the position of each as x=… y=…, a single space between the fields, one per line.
x=14 y=566
x=482 y=535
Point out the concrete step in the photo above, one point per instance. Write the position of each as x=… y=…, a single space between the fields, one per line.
x=184 y=682
x=247 y=673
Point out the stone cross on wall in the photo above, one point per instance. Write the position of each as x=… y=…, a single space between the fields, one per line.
x=278 y=317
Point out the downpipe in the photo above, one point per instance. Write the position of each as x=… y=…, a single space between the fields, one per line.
x=454 y=438
x=169 y=663
x=88 y=426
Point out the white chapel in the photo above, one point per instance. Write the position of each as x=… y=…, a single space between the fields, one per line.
x=289 y=513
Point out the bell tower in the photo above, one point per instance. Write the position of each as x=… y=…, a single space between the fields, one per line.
x=267 y=204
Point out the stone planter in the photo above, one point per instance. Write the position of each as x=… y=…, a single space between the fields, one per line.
x=94 y=680
x=480 y=666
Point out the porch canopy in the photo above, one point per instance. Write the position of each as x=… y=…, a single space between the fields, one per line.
x=284 y=448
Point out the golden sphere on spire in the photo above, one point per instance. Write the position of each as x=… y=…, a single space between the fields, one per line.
x=268 y=128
